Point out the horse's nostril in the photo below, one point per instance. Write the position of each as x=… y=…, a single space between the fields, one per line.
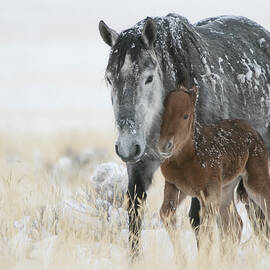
x=137 y=150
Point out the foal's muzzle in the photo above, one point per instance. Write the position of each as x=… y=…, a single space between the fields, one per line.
x=166 y=149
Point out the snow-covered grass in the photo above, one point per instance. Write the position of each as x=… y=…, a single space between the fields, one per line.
x=61 y=201
x=56 y=209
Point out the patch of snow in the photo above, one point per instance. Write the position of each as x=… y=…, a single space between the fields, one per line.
x=64 y=163
x=220 y=60
x=213 y=78
x=22 y=223
x=109 y=176
x=257 y=69
x=21 y=242
x=43 y=250
x=110 y=182
x=241 y=78
x=261 y=41
x=249 y=74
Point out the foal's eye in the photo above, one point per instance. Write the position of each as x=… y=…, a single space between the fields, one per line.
x=185 y=116
x=169 y=145
x=149 y=80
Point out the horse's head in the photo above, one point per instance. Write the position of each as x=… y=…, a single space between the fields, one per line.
x=135 y=79
x=177 y=122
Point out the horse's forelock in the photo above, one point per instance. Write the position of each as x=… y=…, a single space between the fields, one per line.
x=129 y=42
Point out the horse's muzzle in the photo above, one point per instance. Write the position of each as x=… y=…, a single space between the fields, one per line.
x=129 y=150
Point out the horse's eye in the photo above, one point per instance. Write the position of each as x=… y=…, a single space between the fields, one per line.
x=185 y=116
x=149 y=79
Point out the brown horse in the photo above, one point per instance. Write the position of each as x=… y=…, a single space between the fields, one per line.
x=204 y=161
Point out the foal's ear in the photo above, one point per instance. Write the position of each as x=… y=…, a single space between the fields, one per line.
x=193 y=92
x=108 y=35
x=149 y=32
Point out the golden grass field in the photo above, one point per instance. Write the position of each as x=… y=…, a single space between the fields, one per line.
x=52 y=215
x=50 y=218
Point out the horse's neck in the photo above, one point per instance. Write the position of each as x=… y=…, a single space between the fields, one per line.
x=175 y=74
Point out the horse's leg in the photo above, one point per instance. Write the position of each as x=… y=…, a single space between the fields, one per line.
x=231 y=222
x=140 y=177
x=194 y=216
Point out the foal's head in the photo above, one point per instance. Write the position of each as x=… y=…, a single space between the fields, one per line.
x=177 y=123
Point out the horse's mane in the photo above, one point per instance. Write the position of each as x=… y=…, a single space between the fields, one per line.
x=172 y=47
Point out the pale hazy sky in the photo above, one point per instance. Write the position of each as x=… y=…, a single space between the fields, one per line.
x=51 y=54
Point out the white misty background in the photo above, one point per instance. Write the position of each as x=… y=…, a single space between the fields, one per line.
x=51 y=54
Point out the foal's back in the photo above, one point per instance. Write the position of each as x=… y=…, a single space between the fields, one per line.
x=229 y=144
x=228 y=137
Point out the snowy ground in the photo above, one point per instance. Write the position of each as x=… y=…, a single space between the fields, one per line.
x=60 y=210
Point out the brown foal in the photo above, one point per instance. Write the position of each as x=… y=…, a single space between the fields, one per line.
x=204 y=161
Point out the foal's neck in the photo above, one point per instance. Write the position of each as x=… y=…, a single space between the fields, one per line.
x=187 y=152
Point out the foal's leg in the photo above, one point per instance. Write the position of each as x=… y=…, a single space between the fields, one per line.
x=210 y=202
x=231 y=222
x=172 y=198
x=255 y=213
x=257 y=182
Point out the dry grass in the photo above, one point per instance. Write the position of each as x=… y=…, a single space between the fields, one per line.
x=48 y=220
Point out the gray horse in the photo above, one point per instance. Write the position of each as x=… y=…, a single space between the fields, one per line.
x=227 y=57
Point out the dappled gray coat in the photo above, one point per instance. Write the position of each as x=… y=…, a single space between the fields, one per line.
x=227 y=57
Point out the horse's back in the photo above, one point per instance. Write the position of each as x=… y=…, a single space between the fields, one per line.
x=237 y=54
x=232 y=24
x=238 y=29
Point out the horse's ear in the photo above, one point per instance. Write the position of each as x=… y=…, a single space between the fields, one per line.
x=149 y=32
x=108 y=35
